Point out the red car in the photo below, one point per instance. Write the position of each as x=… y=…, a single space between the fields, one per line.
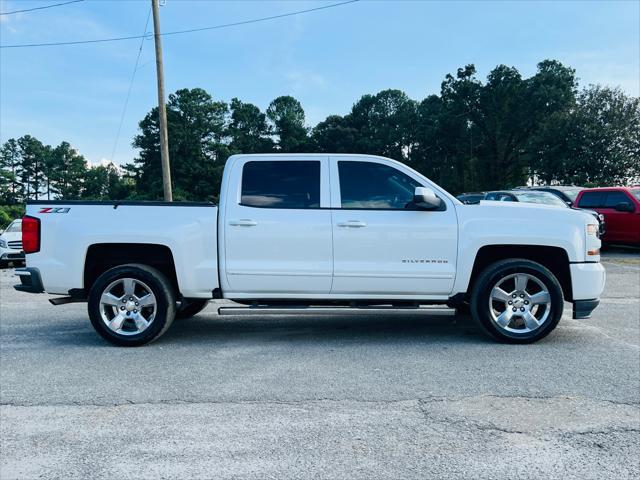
x=621 y=209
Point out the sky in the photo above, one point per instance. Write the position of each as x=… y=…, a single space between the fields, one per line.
x=327 y=59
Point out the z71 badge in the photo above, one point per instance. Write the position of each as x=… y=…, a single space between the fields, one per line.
x=55 y=210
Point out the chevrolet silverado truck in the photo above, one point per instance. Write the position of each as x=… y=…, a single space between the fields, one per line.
x=314 y=233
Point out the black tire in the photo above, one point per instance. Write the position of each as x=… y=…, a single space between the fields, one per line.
x=189 y=307
x=502 y=271
x=165 y=304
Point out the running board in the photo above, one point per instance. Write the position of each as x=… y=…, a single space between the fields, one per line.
x=65 y=300
x=301 y=310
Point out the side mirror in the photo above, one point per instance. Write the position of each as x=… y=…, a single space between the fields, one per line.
x=624 y=207
x=426 y=198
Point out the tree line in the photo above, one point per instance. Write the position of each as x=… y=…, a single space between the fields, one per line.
x=474 y=135
x=33 y=170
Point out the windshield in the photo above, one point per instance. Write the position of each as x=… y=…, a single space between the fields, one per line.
x=540 y=197
x=636 y=192
x=15 y=226
x=572 y=194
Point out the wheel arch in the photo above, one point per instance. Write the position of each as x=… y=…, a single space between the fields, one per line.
x=104 y=256
x=556 y=259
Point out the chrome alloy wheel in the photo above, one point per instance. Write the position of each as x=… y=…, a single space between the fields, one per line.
x=519 y=303
x=127 y=306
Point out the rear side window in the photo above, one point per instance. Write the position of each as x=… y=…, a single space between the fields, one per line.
x=614 y=198
x=374 y=186
x=281 y=184
x=592 y=200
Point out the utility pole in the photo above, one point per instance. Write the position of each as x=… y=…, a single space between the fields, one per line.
x=162 y=108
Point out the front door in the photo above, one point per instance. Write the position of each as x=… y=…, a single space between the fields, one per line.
x=383 y=246
x=617 y=224
x=277 y=236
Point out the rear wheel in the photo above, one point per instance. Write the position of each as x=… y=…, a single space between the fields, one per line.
x=517 y=301
x=189 y=307
x=131 y=305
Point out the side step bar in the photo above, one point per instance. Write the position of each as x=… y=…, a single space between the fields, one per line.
x=302 y=310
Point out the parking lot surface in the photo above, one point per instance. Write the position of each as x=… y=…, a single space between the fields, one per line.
x=393 y=396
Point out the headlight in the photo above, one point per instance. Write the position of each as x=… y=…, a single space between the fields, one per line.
x=592 y=229
x=3 y=243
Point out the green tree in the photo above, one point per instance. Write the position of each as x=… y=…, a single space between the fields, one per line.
x=334 y=135
x=287 y=117
x=604 y=139
x=197 y=148
x=248 y=129
x=11 y=189
x=69 y=172
x=104 y=182
x=385 y=124
x=32 y=172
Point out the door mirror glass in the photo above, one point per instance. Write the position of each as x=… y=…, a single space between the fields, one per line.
x=624 y=207
x=426 y=198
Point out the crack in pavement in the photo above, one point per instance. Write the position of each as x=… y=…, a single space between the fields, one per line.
x=421 y=400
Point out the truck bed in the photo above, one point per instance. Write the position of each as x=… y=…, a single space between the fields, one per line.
x=71 y=230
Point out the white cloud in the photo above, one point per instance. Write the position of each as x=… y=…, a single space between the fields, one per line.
x=301 y=80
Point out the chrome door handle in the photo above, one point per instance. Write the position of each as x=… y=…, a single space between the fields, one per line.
x=352 y=224
x=245 y=222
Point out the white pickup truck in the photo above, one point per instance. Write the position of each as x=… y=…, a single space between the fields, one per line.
x=314 y=233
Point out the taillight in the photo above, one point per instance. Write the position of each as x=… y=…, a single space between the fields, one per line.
x=30 y=234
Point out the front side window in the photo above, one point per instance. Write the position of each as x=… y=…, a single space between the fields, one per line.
x=374 y=185
x=614 y=198
x=281 y=184
x=592 y=200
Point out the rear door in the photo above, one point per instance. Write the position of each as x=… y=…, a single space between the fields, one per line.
x=383 y=247
x=277 y=236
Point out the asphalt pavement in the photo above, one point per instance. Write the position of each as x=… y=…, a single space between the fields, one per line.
x=390 y=397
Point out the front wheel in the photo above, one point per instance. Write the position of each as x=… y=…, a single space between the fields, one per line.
x=517 y=301
x=131 y=305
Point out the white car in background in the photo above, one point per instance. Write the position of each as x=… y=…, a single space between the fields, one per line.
x=11 y=244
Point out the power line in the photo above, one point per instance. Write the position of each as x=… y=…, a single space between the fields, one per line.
x=133 y=76
x=41 y=8
x=180 y=32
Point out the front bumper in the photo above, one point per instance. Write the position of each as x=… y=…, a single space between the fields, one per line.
x=583 y=308
x=30 y=280
x=11 y=255
x=587 y=283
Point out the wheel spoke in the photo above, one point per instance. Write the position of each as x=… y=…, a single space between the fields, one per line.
x=129 y=286
x=116 y=323
x=530 y=321
x=109 y=299
x=521 y=282
x=505 y=318
x=148 y=300
x=500 y=295
x=141 y=322
x=540 y=297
